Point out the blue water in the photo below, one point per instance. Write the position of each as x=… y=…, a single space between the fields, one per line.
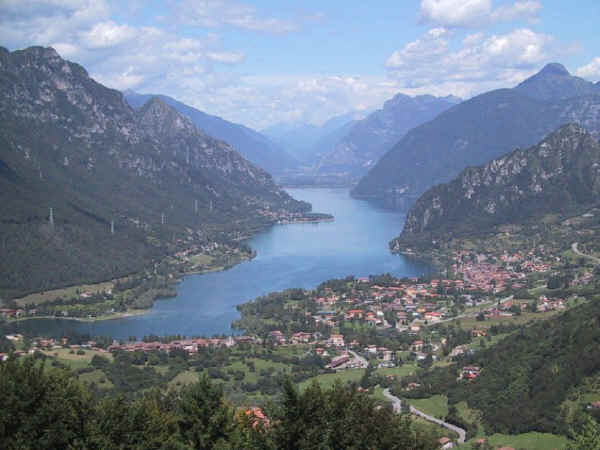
x=296 y=255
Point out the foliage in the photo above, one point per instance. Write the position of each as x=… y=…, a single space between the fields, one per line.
x=527 y=375
x=45 y=408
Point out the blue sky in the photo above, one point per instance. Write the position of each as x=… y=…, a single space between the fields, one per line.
x=264 y=61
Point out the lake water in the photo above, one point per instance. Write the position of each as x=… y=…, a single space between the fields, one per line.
x=295 y=255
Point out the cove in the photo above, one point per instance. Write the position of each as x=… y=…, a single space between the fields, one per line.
x=294 y=255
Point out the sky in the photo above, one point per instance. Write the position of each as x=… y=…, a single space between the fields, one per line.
x=263 y=62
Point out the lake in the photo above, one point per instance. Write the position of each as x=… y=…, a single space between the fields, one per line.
x=295 y=255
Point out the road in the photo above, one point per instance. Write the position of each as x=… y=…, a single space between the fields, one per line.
x=574 y=246
x=363 y=361
x=397 y=405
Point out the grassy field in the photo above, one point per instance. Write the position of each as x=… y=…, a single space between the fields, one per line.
x=469 y=324
x=529 y=441
x=187 y=377
x=201 y=260
x=398 y=372
x=328 y=379
x=68 y=292
x=73 y=360
x=436 y=406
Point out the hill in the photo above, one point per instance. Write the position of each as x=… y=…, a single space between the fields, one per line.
x=254 y=146
x=93 y=190
x=479 y=129
x=527 y=377
x=559 y=175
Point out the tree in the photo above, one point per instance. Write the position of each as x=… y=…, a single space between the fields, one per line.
x=205 y=420
x=41 y=408
x=587 y=437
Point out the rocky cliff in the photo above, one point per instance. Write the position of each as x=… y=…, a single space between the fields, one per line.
x=561 y=174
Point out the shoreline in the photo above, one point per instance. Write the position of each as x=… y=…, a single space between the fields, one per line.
x=139 y=312
x=115 y=316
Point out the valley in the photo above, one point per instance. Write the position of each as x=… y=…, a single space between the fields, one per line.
x=249 y=225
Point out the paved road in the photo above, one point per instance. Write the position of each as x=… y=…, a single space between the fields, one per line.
x=576 y=250
x=397 y=405
x=363 y=361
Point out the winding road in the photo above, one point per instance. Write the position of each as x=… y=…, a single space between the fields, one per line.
x=576 y=250
x=397 y=405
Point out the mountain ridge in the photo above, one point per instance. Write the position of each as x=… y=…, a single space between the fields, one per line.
x=561 y=174
x=368 y=139
x=70 y=144
x=254 y=146
x=473 y=132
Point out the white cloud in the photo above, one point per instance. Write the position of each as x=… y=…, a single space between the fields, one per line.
x=107 y=34
x=523 y=9
x=590 y=71
x=475 y=13
x=480 y=63
x=226 y=57
x=217 y=13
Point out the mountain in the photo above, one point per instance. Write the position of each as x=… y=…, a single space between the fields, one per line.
x=479 y=129
x=555 y=82
x=561 y=174
x=76 y=158
x=307 y=142
x=254 y=146
x=361 y=147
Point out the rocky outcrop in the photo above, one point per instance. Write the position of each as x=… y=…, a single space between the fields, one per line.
x=560 y=174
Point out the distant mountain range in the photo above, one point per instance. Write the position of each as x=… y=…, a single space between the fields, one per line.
x=252 y=145
x=76 y=158
x=307 y=142
x=479 y=129
x=561 y=174
x=368 y=139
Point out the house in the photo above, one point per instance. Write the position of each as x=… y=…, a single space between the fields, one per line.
x=446 y=443
x=354 y=314
x=388 y=355
x=417 y=346
x=337 y=340
x=337 y=362
x=301 y=337
x=277 y=336
x=470 y=372
x=257 y=417
x=433 y=316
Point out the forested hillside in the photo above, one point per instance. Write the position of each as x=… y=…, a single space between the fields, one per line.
x=93 y=190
